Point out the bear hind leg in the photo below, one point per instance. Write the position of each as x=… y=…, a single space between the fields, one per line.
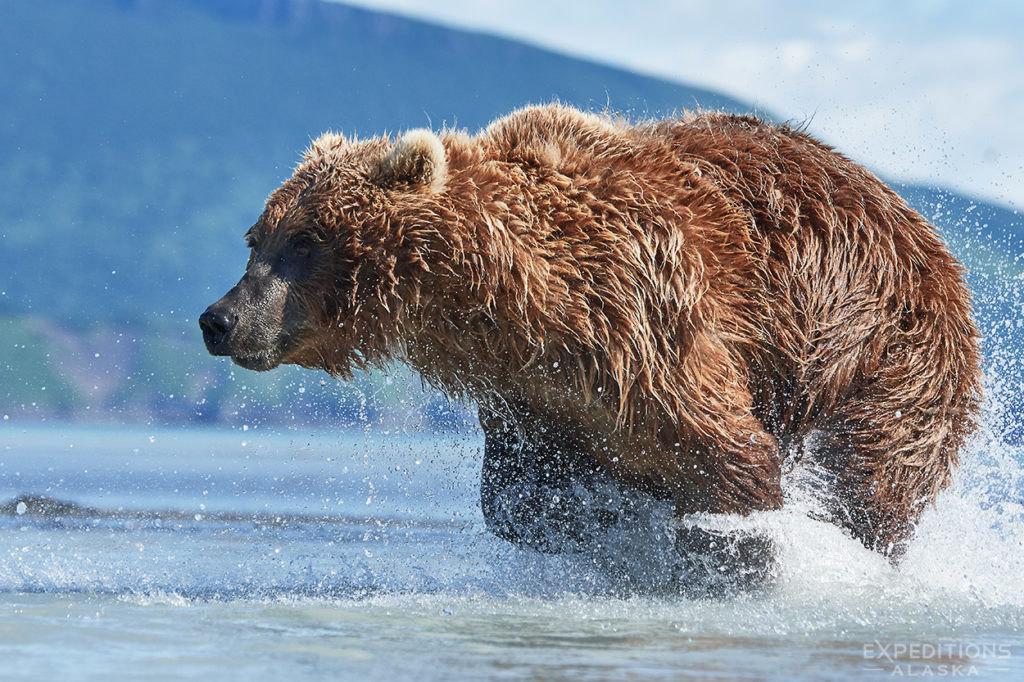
x=889 y=457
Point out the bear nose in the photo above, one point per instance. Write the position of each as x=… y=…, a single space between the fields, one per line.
x=216 y=325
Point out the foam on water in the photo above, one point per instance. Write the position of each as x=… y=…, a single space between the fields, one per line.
x=406 y=589
x=962 y=570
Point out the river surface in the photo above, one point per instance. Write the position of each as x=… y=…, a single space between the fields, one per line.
x=254 y=554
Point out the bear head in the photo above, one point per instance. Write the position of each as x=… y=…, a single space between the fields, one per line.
x=329 y=256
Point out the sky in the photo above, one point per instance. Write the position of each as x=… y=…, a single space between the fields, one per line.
x=923 y=91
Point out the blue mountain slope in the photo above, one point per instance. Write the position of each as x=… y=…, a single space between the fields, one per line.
x=138 y=140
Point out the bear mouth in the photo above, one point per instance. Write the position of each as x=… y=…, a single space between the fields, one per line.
x=250 y=347
x=258 y=363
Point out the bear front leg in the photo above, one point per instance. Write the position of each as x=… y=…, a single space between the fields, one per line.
x=725 y=562
x=722 y=554
x=501 y=478
x=540 y=489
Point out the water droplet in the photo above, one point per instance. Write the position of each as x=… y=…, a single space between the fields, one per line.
x=21 y=508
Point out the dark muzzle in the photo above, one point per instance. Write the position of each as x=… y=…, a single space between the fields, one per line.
x=217 y=323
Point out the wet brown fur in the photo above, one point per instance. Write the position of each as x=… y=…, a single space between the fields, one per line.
x=681 y=296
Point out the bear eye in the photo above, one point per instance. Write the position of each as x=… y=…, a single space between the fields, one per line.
x=302 y=245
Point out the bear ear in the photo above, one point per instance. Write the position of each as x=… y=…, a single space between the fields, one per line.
x=323 y=144
x=417 y=160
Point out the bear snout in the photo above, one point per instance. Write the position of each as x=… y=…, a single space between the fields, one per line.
x=217 y=323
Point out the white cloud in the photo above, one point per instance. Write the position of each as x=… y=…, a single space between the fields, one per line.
x=926 y=90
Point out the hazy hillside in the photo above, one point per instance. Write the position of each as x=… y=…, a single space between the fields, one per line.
x=139 y=139
x=139 y=142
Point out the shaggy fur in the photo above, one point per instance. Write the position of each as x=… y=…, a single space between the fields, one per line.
x=679 y=299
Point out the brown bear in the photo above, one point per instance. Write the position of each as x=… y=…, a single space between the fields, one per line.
x=674 y=304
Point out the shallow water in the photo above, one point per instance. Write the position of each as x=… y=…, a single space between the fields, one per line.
x=241 y=555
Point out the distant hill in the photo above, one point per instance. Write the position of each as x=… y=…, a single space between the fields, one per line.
x=138 y=140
